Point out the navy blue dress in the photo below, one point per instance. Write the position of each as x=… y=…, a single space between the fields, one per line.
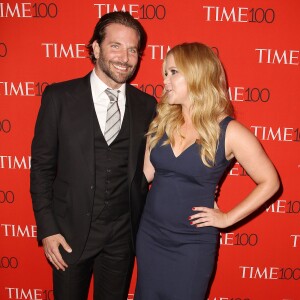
x=175 y=260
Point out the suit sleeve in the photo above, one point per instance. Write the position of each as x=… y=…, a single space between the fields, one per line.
x=44 y=164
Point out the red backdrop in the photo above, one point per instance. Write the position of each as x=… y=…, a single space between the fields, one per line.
x=258 y=42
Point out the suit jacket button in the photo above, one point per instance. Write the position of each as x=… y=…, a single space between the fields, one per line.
x=88 y=214
x=92 y=187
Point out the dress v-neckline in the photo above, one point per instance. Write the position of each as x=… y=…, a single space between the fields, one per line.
x=191 y=144
x=181 y=151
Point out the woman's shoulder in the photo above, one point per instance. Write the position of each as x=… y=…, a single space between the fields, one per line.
x=237 y=132
x=234 y=129
x=224 y=121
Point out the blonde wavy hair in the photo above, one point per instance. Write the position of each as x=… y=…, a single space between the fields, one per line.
x=207 y=88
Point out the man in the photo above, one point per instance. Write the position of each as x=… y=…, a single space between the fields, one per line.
x=87 y=182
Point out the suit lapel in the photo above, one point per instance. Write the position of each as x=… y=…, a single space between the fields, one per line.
x=136 y=115
x=81 y=110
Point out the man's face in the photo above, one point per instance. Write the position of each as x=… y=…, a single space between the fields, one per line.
x=117 y=56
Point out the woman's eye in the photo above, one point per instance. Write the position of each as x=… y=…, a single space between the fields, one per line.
x=173 y=72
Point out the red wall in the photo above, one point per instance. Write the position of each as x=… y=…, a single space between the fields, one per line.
x=258 y=42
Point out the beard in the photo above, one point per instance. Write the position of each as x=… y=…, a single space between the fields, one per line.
x=116 y=76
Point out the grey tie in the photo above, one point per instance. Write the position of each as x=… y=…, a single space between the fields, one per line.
x=113 y=117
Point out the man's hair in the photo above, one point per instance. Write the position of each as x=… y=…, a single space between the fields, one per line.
x=117 y=17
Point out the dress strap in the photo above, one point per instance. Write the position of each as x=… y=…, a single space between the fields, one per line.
x=225 y=121
x=221 y=144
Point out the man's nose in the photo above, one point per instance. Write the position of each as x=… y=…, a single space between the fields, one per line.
x=124 y=56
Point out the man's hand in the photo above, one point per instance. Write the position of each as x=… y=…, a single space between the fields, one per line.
x=51 y=244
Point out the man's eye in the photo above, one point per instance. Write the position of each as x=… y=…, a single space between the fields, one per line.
x=133 y=51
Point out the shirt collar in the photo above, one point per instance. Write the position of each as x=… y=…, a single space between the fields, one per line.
x=98 y=86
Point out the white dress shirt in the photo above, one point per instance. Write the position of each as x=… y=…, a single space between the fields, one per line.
x=101 y=99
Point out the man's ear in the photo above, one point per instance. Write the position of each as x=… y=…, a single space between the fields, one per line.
x=96 y=49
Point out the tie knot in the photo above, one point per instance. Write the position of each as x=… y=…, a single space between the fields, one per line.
x=112 y=94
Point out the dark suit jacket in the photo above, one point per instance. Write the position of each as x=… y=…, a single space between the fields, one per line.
x=62 y=165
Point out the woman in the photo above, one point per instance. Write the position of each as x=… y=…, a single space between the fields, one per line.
x=191 y=143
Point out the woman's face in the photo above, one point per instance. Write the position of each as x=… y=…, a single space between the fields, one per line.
x=175 y=84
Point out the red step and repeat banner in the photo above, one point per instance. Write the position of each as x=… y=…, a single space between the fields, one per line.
x=42 y=42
